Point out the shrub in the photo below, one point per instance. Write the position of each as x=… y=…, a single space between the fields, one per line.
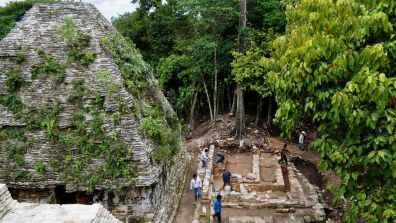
x=14 y=80
x=77 y=42
x=39 y=167
x=50 y=67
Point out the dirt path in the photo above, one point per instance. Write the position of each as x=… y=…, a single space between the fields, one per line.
x=186 y=210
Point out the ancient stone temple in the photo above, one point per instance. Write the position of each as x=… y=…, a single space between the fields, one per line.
x=82 y=119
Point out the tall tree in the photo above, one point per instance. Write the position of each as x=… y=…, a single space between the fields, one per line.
x=192 y=63
x=266 y=21
x=240 y=105
x=335 y=66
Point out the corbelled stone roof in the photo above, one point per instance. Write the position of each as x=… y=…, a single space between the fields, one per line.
x=36 y=41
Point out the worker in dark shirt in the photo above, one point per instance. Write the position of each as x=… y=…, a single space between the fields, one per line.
x=283 y=158
x=226 y=177
x=219 y=157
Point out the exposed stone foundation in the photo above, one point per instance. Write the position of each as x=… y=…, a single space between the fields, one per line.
x=262 y=195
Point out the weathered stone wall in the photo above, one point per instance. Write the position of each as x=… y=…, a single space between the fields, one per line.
x=37 y=30
x=155 y=195
x=157 y=203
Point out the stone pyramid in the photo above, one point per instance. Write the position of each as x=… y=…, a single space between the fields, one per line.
x=79 y=107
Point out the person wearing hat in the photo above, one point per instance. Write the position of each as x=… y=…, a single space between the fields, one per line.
x=301 y=140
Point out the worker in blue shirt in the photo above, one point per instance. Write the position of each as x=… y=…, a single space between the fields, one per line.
x=217 y=208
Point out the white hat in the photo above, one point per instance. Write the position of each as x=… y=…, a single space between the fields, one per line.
x=304 y=133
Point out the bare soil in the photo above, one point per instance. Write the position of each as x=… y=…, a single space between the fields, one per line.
x=240 y=163
x=268 y=165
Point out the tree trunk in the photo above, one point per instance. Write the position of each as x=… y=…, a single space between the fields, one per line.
x=240 y=112
x=192 y=111
x=208 y=98
x=259 y=108
x=269 y=112
x=215 y=104
x=234 y=98
x=222 y=98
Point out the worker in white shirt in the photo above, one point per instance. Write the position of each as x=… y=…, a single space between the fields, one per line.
x=204 y=157
x=195 y=186
x=301 y=140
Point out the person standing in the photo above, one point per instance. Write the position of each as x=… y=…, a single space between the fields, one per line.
x=301 y=140
x=283 y=158
x=195 y=186
x=226 y=177
x=217 y=208
x=204 y=157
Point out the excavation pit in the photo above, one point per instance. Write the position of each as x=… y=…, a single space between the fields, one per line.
x=239 y=164
x=259 y=182
x=258 y=172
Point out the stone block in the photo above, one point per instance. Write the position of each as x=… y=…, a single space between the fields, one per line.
x=235 y=194
x=282 y=210
x=308 y=219
x=251 y=176
x=238 y=176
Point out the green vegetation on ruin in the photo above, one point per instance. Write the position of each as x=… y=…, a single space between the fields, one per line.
x=77 y=43
x=136 y=74
x=76 y=147
x=49 y=67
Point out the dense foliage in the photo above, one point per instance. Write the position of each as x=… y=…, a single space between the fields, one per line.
x=335 y=66
x=190 y=43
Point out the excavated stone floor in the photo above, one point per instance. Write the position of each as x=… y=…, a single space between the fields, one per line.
x=13 y=212
x=260 y=191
